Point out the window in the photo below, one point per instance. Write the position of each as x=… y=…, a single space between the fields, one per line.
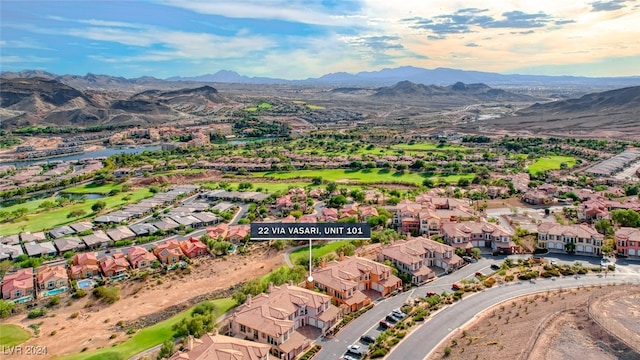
x=243 y=328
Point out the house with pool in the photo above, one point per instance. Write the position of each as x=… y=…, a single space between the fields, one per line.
x=51 y=280
x=85 y=265
x=18 y=286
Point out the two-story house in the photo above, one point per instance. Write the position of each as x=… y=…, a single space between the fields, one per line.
x=220 y=347
x=470 y=234
x=418 y=256
x=114 y=266
x=51 y=280
x=18 y=286
x=169 y=252
x=85 y=265
x=579 y=239
x=275 y=317
x=628 y=242
x=139 y=257
x=193 y=248
x=355 y=281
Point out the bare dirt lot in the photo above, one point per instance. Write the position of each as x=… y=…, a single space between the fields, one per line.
x=94 y=325
x=553 y=325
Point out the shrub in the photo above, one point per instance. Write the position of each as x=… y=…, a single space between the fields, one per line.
x=489 y=282
x=55 y=300
x=37 y=312
x=80 y=293
x=378 y=353
x=74 y=315
x=447 y=351
x=110 y=294
x=509 y=278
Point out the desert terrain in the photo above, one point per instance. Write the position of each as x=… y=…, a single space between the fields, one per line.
x=590 y=323
x=140 y=299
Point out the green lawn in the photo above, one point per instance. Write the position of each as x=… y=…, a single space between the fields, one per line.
x=259 y=107
x=12 y=335
x=92 y=189
x=318 y=250
x=58 y=216
x=146 y=338
x=429 y=147
x=362 y=176
x=551 y=163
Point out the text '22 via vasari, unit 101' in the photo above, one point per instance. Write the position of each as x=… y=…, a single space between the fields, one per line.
x=270 y=231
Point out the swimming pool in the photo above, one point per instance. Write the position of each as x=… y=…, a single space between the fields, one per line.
x=86 y=283
x=54 y=291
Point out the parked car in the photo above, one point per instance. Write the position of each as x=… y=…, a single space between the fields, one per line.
x=495 y=267
x=554 y=262
x=430 y=293
x=356 y=349
x=478 y=273
x=348 y=357
x=392 y=319
x=398 y=313
x=367 y=339
x=385 y=324
x=456 y=286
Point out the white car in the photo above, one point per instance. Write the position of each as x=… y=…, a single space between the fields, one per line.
x=554 y=262
x=356 y=349
x=399 y=314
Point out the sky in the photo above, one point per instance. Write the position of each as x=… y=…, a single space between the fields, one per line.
x=299 y=39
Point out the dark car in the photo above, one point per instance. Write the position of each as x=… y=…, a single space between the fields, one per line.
x=456 y=286
x=430 y=293
x=385 y=324
x=367 y=339
x=392 y=319
x=495 y=267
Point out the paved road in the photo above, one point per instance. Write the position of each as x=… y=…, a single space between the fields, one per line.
x=421 y=342
x=368 y=322
x=416 y=345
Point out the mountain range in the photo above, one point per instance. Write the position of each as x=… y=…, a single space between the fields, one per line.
x=383 y=77
x=36 y=100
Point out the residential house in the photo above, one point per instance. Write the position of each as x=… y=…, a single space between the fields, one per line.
x=427 y=213
x=40 y=248
x=142 y=229
x=85 y=265
x=193 y=248
x=82 y=226
x=114 y=266
x=72 y=243
x=18 y=286
x=121 y=233
x=366 y=212
x=50 y=278
x=166 y=225
x=139 y=257
x=329 y=214
x=628 y=242
x=355 y=281
x=536 y=197
x=274 y=318
x=417 y=257
x=238 y=233
x=168 y=252
x=220 y=347
x=480 y=234
x=219 y=231
x=99 y=239
x=580 y=239
x=29 y=237
x=349 y=210
x=61 y=231
x=10 y=252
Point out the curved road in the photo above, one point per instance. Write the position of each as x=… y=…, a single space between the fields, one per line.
x=422 y=340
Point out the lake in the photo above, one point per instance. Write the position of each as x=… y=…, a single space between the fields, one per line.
x=88 y=155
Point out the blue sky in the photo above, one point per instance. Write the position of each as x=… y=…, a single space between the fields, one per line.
x=308 y=38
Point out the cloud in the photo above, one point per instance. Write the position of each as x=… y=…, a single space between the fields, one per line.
x=378 y=43
x=471 y=44
x=24 y=44
x=610 y=5
x=307 y=12
x=25 y=59
x=470 y=20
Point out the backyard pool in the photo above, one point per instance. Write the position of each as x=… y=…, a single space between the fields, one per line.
x=86 y=283
x=54 y=291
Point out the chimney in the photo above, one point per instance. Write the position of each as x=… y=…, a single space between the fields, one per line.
x=270 y=289
x=189 y=342
x=248 y=302
x=341 y=255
